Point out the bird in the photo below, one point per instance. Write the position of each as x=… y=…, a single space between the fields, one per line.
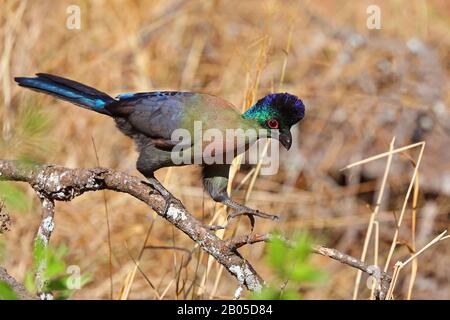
x=152 y=118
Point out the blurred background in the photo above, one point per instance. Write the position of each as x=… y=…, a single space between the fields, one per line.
x=361 y=86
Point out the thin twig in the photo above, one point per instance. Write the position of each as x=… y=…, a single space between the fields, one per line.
x=108 y=227
x=413 y=238
x=382 y=155
x=402 y=212
x=373 y=217
x=400 y=265
x=136 y=264
x=126 y=289
x=383 y=278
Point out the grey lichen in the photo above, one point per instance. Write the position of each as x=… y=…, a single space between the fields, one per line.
x=48 y=225
x=238 y=272
x=176 y=214
x=246 y=277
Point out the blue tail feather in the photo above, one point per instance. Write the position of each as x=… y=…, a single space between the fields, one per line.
x=68 y=90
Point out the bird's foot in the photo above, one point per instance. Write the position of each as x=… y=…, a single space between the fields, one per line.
x=169 y=199
x=251 y=214
x=214 y=227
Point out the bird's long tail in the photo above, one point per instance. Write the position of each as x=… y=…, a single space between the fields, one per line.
x=68 y=90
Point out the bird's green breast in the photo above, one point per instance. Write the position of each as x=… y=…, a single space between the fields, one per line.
x=222 y=127
x=214 y=113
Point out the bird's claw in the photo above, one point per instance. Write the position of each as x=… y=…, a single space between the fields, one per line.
x=251 y=212
x=215 y=227
x=169 y=199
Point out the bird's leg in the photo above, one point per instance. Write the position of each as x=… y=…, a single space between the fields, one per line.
x=240 y=210
x=215 y=181
x=168 y=197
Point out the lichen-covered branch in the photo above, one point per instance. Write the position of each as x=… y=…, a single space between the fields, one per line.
x=42 y=240
x=59 y=183
x=63 y=184
x=382 y=279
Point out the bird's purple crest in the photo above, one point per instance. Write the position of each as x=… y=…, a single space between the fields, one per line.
x=288 y=105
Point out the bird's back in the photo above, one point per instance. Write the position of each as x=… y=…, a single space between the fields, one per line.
x=158 y=114
x=152 y=118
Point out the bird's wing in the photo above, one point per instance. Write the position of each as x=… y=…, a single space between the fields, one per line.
x=158 y=114
x=154 y=114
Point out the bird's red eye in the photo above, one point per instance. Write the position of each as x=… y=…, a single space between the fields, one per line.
x=273 y=123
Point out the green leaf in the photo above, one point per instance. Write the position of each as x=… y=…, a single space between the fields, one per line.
x=85 y=279
x=58 y=284
x=305 y=273
x=270 y=293
x=277 y=253
x=55 y=270
x=39 y=252
x=14 y=197
x=302 y=247
x=54 y=267
x=51 y=257
x=289 y=261
x=6 y=292
x=289 y=295
x=267 y=293
x=60 y=289
x=29 y=281
x=55 y=262
x=61 y=251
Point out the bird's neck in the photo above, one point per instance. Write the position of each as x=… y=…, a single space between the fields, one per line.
x=251 y=113
x=257 y=112
x=249 y=122
x=252 y=117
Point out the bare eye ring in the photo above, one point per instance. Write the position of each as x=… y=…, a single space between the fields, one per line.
x=273 y=123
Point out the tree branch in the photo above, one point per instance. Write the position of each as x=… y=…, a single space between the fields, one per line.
x=383 y=280
x=63 y=184
x=43 y=239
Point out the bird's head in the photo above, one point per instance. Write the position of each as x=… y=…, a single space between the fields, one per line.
x=277 y=113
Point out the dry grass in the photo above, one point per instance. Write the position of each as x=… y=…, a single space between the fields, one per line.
x=359 y=95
